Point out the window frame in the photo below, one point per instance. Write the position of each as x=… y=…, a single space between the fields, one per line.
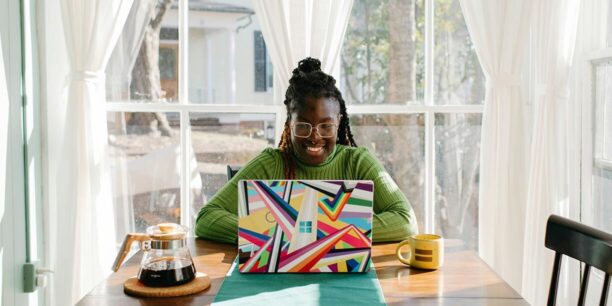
x=588 y=159
x=429 y=110
x=602 y=57
x=22 y=207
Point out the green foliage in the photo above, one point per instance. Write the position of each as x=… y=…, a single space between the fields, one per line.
x=366 y=52
x=365 y=55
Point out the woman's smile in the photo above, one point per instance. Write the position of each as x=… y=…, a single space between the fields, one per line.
x=314 y=150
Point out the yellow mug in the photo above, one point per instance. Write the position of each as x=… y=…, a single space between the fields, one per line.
x=426 y=251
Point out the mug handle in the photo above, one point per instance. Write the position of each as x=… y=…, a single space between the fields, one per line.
x=405 y=261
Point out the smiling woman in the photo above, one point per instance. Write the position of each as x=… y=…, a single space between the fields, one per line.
x=313 y=99
x=323 y=113
x=317 y=144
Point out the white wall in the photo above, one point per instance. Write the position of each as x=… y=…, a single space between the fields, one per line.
x=197 y=65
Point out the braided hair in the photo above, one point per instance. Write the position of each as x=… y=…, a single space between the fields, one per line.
x=308 y=81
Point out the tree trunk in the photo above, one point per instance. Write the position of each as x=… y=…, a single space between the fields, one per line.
x=146 y=83
x=407 y=148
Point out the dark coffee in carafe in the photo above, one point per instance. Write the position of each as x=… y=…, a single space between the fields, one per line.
x=167 y=272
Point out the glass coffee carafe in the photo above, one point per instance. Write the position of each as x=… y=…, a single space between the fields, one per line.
x=166 y=260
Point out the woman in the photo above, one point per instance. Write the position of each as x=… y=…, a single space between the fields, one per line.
x=317 y=143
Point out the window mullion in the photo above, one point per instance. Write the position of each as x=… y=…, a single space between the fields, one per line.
x=587 y=150
x=412 y=109
x=430 y=172
x=429 y=52
x=185 y=128
x=183 y=90
x=200 y=108
x=430 y=167
x=185 y=169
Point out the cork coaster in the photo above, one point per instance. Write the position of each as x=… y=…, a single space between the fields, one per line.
x=133 y=286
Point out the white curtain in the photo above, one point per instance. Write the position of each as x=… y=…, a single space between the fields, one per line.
x=498 y=30
x=157 y=170
x=590 y=36
x=4 y=134
x=119 y=68
x=553 y=141
x=83 y=236
x=118 y=80
x=295 y=29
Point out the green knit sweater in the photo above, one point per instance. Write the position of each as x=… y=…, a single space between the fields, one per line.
x=393 y=220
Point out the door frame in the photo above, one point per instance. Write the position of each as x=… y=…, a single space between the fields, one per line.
x=20 y=160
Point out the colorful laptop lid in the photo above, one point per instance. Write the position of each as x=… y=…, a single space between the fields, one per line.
x=309 y=226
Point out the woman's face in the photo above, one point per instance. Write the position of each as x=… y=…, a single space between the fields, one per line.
x=322 y=114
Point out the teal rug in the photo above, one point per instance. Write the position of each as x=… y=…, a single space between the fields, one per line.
x=300 y=289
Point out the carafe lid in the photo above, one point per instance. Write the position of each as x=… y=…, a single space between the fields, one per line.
x=167 y=231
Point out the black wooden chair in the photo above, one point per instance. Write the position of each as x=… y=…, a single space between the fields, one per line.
x=231 y=171
x=586 y=244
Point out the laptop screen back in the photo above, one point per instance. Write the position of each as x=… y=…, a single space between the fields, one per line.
x=304 y=226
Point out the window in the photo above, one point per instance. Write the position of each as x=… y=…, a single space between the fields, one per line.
x=596 y=166
x=181 y=106
x=416 y=89
x=596 y=208
x=263 y=65
x=408 y=72
x=168 y=71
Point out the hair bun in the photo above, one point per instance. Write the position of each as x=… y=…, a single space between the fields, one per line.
x=309 y=64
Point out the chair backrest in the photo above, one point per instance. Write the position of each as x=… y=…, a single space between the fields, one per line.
x=231 y=171
x=586 y=244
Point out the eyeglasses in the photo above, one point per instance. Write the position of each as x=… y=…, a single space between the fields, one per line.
x=304 y=129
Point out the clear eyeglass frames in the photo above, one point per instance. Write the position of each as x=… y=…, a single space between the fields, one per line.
x=304 y=129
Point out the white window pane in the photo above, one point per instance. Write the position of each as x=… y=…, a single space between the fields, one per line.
x=602 y=153
x=457 y=174
x=398 y=142
x=602 y=197
x=603 y=112
x=228 y=62
x=382 y=55
x=458 y=78
x=144 y=63
x=145 y=170
x=226 y=139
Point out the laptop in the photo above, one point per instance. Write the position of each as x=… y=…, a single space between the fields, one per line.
x=304 y=226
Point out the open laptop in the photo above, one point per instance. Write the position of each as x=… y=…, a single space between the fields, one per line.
x=304 y=226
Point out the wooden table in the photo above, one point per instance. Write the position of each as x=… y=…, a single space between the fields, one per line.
x=463 y=280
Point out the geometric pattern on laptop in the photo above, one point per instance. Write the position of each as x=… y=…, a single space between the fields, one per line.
x=305 y=226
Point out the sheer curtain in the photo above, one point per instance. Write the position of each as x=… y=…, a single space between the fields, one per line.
x=119 y=68
x=498 y=30
x=82 y=239
x=590 y=36
x=296 y=29
x=118 y=80
x=4 y=130
x=554 y=32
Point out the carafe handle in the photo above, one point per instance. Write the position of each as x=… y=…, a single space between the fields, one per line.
x=125 y=247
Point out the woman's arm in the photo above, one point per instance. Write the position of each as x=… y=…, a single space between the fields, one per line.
x=218 y=219
x=394 y=218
